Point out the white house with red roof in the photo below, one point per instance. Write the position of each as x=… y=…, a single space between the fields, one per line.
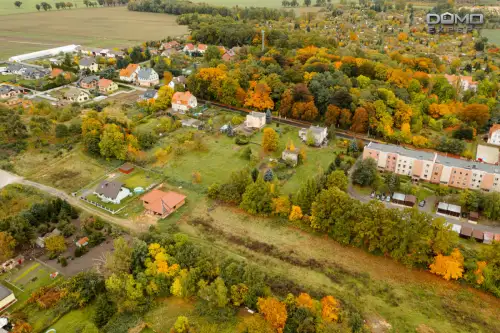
x=107 y=86
x=183 y=101
x=494 y=135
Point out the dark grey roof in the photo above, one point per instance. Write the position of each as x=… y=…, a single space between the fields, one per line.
x=150 y=93
x=86 y=62
x=89 y=79
x=145 y=73
x=109 y=189
x=418 y=154
x=4 y=292
x=465 y=164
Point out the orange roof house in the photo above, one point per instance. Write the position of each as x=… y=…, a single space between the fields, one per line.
x=127 y=74
x=106 y=85
x=82 y=242
x=162 y=203
x=183 y=101
x=56 y=72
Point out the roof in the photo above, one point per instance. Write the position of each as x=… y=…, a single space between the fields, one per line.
x=86 y=62
x=474 y=215
x=151 y=93
x=56 y=71
x=410 y=198
x=161 y=202
x=398 y=196
x=257 y=114
x=466 y=231
x=202 y=47
x=465 y=164
x=457 y=228
x=317 y=129
x=145 y=73
x=83 y=240
x=181 y=97
x=4 y=292
x=478 y=234
x=89 y=79
x=189 y=46
x=131 y=68
x=109 y=189
x=127 y=167
x=104 y=83
x=73 y=92
x=417 y=154
x=454 y=208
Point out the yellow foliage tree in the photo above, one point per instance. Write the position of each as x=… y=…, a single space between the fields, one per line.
x=295 y=214
x=305 y=300
x=55 y=244
x=329 y=309
x=258 y=96
x=274 y=312
x=449 y=267
x=270 y=139
x=420 y=141
x=281 y=205
x=481 y=265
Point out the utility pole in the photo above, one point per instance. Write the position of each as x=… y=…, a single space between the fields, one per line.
x=263 y=35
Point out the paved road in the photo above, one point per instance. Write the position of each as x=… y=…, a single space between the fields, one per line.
x=9 y=178
x=364 y=198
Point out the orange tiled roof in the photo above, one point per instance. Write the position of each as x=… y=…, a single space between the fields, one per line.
x=55 y=72
x=202 y=47
x=131 y=68
x=159 y=201
x=494 y=128
x=83 y=240
x=103 y=83
x=181 y=97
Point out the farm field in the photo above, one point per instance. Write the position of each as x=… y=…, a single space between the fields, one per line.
x=104 y=27
x=258 y=3
x=493 y=35
x=28 y=6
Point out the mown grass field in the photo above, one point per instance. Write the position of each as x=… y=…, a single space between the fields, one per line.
x=114 y=27
x=7 y=7
x=493 y=35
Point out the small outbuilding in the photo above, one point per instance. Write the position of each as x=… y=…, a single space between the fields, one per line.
x=7 y=298
x=398 y=198
x=126 y=168
x=449 y=209
x=478 y=235
x=473 y=217
x=82 y=242
x=488 y=237
x=291 y=155
x=456 y=228
x=466 y=232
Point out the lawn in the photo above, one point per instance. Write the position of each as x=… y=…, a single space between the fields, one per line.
x=493 y=35
x=7 y=78
x=77 y=321
x=114 y=27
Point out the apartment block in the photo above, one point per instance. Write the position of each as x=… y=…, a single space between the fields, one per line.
x=434 y=168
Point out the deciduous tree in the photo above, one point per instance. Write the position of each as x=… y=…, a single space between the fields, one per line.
x=274 y=312
x=258 y=96
x=7 y=246
x=449 y=267
x=55 y=244
x=270 y=139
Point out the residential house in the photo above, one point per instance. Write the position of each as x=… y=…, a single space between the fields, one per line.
x=494 y=135
x=32 y=73
x=112 y=191
x=89 y=82
x=170 y=45
x=7 y=298
x=147 y=77
x=183 y=101
x=228 y=55
x=55 y=72
x=291 y=155
x=76 y=95
x=82 y=242
x=201 y=48
x=193 y=123
x=189 y=48
x=255 y=120
x=129 y=74
x=319 y=134
x=434 y=168
x=169 y=52
x=88 y=63
x=16 y=69
x=463 y=83
x=149 y=95
x=180 y=81
x=107 y=86
x=9 y=91
x=162 y=203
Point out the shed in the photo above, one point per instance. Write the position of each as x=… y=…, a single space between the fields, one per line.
x=454 y=210
x=496 y=238
x=478 y=235
x=398 y=198
x=82 y=242
x=442 y=208
x=126 y=168
x=473 y=217
x=466 y=232
x=410 y=200
x=7 y=298
x=488 y=237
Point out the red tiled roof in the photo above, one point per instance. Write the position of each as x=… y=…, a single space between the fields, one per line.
x=131 y=68
x=104 y=83
x=494 y=128
x=161 y=202
x=83 y=240
x=181 y=97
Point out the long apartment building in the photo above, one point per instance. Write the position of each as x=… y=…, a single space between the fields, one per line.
x=434 y=168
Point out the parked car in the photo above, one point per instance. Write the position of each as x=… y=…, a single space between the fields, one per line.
x=378 y=197
x=372 y=195
x=388 y=198
x=421 y=203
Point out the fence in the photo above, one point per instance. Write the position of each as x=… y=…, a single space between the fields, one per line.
x=93 y=203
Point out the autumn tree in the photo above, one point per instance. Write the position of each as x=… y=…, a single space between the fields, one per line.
x=360 y=120
x=258 y=96
x=55 y=244
x=285 y=109
x=305 y=111
x=329 y=309
x=449 y=267
x=295 y=213
x=181 y=325
x=113 y=143
x=281 y=206
x=274 y=312
x=7 y=246
x=270 y=139
x=164 y=100
x=332 y=115
x=475 y=113
x=338 y=179
x=257 y=198
x=305 y=300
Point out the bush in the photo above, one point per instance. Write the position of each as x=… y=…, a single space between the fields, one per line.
x=241 y=140
x=63 y=261
x=105 y=309
x=68 y=230
x=98 y=224
x=80 y=251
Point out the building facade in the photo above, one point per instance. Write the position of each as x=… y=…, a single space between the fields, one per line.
x=434 y=168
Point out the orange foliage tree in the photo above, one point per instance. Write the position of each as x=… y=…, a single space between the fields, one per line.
x=305 y=301
x=478 y=113
x=360 y=120
x=286 y=103
x=329 y=309
x=270 y=139
x=449 y=267
x=332 y=115
x=258 y=96
x=481 y=265
x=305 y=110
x=274 y=312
